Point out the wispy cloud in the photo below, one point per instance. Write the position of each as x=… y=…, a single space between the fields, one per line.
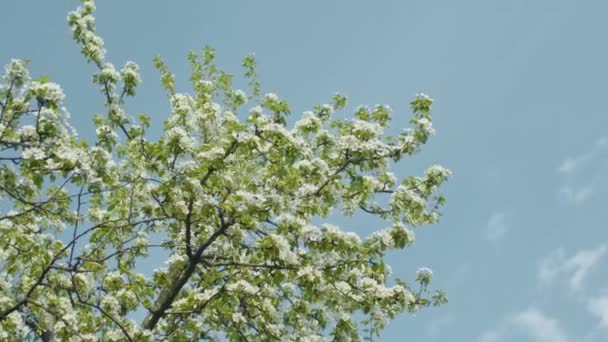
x=532 y=322
x=575 y=268
x=540 y=326
x=576 y=194
x=598 y=306
x=571 y=165
x=584 y=175
x=497 y=226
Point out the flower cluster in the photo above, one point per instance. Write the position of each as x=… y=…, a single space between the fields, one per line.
x=82 y=24
x=50 y=94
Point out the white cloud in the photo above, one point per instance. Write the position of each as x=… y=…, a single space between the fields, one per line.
x=598 y=306
x=576 y=194
x=532 y=322
x=497 y=226
x=571 y=165
x=581 y=263
x=575 y=268
x=584 y=175
x=539 y=326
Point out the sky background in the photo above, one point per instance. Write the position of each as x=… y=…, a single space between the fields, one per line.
x=518 y=85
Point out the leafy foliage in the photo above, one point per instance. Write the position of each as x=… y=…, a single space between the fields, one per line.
x=232 y=200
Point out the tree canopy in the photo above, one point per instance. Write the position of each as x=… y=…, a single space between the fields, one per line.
x=230 y=192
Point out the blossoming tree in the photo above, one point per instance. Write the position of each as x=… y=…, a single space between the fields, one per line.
x=230 y=200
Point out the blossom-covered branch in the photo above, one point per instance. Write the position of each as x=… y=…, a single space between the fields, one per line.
x=228 y=193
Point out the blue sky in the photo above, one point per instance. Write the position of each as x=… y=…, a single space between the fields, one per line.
x=522 y=246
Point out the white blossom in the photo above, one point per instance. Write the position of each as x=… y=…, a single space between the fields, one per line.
x=240 y=96
x=271 y=97
x=181 y=104
x=108 y=74
x=181 y=138
x=34 y=153
x=343 y=287
x=426 y=126
x=424 y=275
x=242 y=285
x=16 y=71
x=110 y=303
x=366 y=127
x=438 y=171
x=50 y=93
x=214 y=153
x=238 y=318
x=424 y=97
x=424 y=271
x=284 y=248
